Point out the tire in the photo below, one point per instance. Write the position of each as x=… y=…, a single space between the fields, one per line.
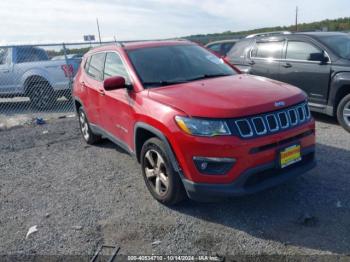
x=41 y=95
x=161 y=179
x=85 y=128
x=343 y=113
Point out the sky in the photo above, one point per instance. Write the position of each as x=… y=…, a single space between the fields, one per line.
x=50 y=21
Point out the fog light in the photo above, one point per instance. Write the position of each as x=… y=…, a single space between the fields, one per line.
x=213 y=165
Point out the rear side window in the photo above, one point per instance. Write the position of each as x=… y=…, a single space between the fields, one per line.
x=268 y=50
x=95 y=67
x=114 y=67
x=301 y=51
x=27 y=54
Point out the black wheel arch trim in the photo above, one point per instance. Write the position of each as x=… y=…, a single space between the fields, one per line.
x=162 y=137
x=340 y=82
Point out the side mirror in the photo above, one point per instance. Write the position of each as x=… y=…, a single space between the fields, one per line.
x=320 y=57
x=113 y=83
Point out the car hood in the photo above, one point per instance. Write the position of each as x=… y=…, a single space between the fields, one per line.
x=226 y=97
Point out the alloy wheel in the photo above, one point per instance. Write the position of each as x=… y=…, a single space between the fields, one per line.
x=156 y=172
x=346 y=113
x=84 y=127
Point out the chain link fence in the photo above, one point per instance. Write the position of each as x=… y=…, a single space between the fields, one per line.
x=36 y=80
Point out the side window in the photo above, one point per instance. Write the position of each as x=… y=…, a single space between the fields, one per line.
x=215 y=47
x=3 y=56
x=87 y=64
x=114 y=67
x=27 y=54
x=268 y=50
x=226 y=48
x=96 y=65
x=239 y=51
x=302 y=51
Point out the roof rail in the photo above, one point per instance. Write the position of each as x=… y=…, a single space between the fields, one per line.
x=269 y=34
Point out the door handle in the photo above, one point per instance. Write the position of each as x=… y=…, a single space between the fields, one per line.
x=287 y=65
x=83 y=84
x=5 y=71
x=101 y=92
x=252 y=62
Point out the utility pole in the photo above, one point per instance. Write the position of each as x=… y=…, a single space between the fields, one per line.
x=296 y=18
x=99 y=32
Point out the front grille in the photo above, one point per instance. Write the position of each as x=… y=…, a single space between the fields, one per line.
x=274 y=122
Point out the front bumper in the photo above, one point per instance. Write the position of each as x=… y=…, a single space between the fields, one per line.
x=252 y=180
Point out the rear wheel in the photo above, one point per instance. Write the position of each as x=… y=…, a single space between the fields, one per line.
x=85 y=128
x=161 y=179
x=41 y=95
x=343 y=113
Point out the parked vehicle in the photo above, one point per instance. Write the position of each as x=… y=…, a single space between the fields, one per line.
x=70 y=56
x=221 y=48
x=196 y=126
x=317 y=62
x=27 y=71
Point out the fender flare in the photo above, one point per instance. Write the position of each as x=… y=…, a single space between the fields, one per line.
x=35 y=72
x=162 y=137
x=340 y=83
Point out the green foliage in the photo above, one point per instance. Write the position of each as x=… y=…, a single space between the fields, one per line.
x=340 y=24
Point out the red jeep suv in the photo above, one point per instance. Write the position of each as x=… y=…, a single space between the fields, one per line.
x=196 y=125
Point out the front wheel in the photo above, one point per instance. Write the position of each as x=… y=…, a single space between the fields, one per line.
x=160 y=177
x=343 y=113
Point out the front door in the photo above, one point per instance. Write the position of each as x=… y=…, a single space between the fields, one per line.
x=117 y=109
x=302 y=67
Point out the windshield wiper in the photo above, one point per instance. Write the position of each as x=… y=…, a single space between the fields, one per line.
x=164 y=83
x=207 y=76
x=174 y=82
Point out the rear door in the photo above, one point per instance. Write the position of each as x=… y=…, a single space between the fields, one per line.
x=117 y=104
x=92 y=82
x=264 y=59
x=303 y=68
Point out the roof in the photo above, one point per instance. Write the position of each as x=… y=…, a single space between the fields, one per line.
x=318 y=34
x=224 y=41
x=140 y=44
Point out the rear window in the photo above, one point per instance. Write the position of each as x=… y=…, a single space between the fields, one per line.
x=268 y=50
x=95 y=67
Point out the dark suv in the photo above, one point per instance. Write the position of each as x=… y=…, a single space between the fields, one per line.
x=317 y=62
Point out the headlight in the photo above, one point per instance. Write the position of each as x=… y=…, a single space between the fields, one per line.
x=202 y=127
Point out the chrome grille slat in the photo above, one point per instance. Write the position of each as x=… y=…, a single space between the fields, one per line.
x=255 y=125
x=244 y=135
x=277 y=121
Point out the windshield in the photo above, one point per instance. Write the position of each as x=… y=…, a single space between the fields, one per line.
x=166 y=65
x=340 y=44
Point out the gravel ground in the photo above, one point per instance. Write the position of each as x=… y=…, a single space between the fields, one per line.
x=82 y=196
